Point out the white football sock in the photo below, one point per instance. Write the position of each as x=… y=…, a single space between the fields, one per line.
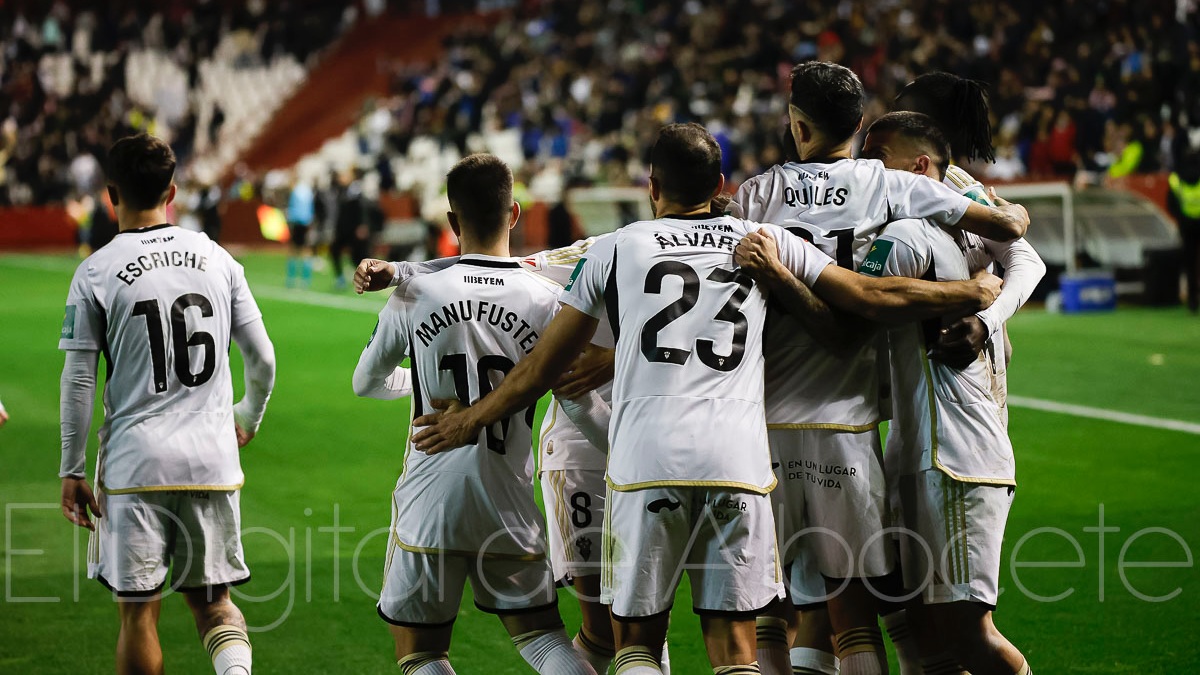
x=425 y=663
x=773 y=646
x=809 y=661
x=636 y=661
x=599 y=656
x=900 y=633
x=550 y=652
x=664 y=663
x=229 y=648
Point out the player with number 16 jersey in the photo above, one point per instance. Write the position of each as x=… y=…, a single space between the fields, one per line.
x=161 y=302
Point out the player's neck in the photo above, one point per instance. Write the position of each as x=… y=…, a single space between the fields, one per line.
x=666 y=209
x=821 y=149
x=136 y=220
x=498 y=249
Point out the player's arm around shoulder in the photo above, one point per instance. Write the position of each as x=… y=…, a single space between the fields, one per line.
x=373 y=274
x=378 y=373
x=786 y=265
x=887 y=291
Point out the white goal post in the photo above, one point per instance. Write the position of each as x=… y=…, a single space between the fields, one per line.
x=1017 y=192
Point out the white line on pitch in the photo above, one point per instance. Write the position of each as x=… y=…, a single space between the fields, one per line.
x=304 y=297
x=1102 y=414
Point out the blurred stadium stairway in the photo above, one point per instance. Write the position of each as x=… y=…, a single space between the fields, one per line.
x=331 y=98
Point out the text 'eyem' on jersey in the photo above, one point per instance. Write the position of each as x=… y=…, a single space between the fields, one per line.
x=470 y=310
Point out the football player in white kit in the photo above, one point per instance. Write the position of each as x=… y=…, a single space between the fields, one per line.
x=823 y=395
x=950 y=463
x=162 y=304
x=688 y=329
x=468 y=515
x=571 y=457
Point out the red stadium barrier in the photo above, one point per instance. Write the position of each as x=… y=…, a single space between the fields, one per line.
x=34 y=227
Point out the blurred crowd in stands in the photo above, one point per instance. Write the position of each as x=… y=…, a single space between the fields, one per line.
x=1107 y=87
x=64 y=96
x=575 y=89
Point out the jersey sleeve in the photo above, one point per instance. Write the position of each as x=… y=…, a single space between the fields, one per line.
x=965 y=184
x=407 y=270
x=912 y=195
x=83 y=319
x=243 y=307
x=557 y=264
x=585 y=289
x=898 y=252
x=802 y=258
x=1024 y=269
x=754 y=197
x=377 y=374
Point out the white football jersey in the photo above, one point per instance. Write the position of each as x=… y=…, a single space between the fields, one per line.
x=688 y=392
x=160 y=303
x=463 y=328
x=560 y=443
x=839 y=206
x=945 y=418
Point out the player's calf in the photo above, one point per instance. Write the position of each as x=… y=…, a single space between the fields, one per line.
x=222 y=629
x=138 y=650
x=542 y=641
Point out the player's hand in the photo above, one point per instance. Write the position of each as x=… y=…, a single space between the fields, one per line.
x=593 y=367
x=373 y=275
x=452 y=426
x=758 y=254
x=720 y=203
x=959 y=343
x=988 y=286
x=1015 y=210
x=3 y=416
x=77 y=500
x=243 y=437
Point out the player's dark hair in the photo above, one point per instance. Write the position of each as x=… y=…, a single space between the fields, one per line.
x=958 y=106
x=831 y=96
x=920 y=129
x=686 y=162
x=480 y=189
x=141 y=168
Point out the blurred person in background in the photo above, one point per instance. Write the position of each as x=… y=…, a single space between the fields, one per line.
x=300 y=214
x=351 y=234
x=1183 y=203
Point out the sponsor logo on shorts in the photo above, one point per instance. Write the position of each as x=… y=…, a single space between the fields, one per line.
x=664 y=504
x=584 y=546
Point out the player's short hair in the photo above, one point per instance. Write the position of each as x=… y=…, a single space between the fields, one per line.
x=958 y=106
x=686 y=162
x=141 y=168
x=830 y=95
x=480 y=189
x=920 y=129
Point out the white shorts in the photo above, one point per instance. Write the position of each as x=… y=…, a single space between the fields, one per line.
x=426 y=589
x=951 y=551
x=195 y=535
x=723 y=539
x=574 y=500
x=833 y=497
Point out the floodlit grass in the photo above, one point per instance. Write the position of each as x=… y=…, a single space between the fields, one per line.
x=325 y=457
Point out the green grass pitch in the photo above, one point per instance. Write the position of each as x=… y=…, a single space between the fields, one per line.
x=324 y=454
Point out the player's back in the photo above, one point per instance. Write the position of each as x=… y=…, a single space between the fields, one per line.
x=467 y=326
x=163 y=302
x=948 y=418
x=687 y=396
x=840 y=206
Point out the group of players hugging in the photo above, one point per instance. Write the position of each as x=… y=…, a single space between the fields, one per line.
x=720 y=373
